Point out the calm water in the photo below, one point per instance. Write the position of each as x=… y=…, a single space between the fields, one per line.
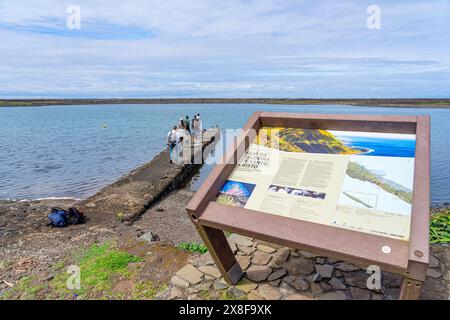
x=64 y=151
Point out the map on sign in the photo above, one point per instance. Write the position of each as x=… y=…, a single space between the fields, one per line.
x=361 y=181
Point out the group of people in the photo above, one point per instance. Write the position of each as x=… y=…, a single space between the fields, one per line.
x=185 y=131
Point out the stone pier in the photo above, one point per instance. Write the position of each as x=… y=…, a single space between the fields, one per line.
x=134 y=193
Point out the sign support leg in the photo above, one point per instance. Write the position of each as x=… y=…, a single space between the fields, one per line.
x=220 y=251
x=410 y=289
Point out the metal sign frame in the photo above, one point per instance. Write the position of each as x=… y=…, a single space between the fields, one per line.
x=407 y=258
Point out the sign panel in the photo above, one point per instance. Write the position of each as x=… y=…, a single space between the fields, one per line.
x=361 y=181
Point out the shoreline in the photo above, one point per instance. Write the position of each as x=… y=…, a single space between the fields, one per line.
x=389 y=103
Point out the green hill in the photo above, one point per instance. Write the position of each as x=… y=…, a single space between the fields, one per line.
x=303 y=140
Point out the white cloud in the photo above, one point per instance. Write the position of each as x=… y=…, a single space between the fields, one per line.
x=224 y=48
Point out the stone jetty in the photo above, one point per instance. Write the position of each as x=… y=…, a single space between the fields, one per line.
x=134 y=193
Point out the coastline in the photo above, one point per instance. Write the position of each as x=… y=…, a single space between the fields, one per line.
x=391 y=103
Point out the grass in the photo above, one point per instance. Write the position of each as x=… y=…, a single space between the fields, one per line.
x=102 y=267
x=440 y=227
x=193 y=247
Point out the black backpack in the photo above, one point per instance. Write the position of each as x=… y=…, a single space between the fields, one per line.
x=74 y=216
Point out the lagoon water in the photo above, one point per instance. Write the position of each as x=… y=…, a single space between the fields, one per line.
x=73 y=151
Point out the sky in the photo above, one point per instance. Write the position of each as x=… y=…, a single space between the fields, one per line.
x=233 y=48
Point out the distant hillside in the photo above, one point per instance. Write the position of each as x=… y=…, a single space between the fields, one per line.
x=303 y=140
x=360 y=172
x=400 y=103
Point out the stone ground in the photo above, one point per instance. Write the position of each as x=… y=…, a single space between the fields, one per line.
x=273 y=272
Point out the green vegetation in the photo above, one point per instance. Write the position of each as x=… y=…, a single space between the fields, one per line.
x=440 y=227
x=193 y=247
x=359 y=172
x=103 y=269
x=303 y=140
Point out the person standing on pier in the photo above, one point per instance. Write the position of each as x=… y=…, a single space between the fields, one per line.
x=187 y=124
x=172 y=141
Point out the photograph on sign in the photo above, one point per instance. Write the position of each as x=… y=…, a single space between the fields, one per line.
x=361 y=181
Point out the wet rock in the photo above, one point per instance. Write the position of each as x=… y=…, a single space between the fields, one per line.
x=190 y=274
x=258 y=273
x=297 y=266
x=276 y=274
